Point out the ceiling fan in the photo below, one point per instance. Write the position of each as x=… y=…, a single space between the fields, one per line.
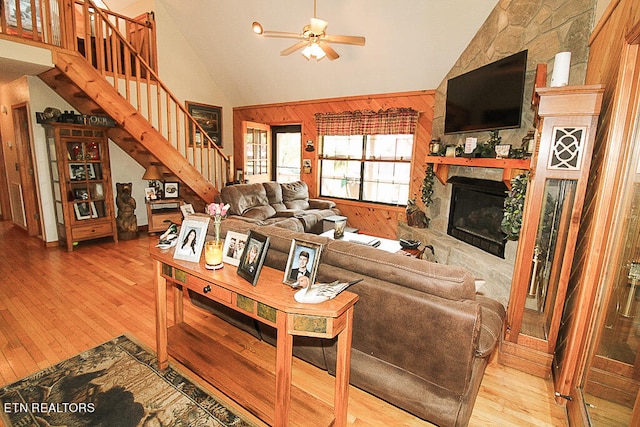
x=314 y=41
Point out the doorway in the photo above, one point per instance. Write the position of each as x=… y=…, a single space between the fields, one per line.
x=24 y=195
x=287 y=152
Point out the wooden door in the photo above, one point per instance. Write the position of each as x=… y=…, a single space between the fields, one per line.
x=257 y=152
x=22 y=130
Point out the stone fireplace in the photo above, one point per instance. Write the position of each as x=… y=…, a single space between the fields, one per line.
x=494 y=271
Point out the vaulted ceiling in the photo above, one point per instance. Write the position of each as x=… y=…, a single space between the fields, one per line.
x=410 y=45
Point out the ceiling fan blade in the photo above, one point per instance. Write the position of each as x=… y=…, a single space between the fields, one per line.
x=283 y=34
x=355 y=40
x=331 y=53
x=291 y=49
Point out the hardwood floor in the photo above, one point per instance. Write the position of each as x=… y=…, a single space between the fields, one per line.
x=55 y=304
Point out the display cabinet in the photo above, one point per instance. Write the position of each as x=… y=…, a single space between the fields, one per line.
x=551 y=218
x=81 y=183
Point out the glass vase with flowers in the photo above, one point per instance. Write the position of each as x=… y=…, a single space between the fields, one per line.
x=213 y=248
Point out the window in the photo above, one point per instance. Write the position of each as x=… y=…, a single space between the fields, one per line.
x=370 y=168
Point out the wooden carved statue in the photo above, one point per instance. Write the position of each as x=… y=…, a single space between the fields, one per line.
x=126 y=220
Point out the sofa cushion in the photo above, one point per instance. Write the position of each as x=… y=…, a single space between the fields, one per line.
x=274 y=194
x=295 y=195
x=445 y=281
x=243 y=197
x=259 y=212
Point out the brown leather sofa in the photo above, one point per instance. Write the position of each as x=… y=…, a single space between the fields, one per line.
x=422 y=337
x=284 y=205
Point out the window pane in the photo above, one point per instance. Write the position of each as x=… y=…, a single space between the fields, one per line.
x=386 y=182
x=342 y=146
x=340 y=178
x=389 y=147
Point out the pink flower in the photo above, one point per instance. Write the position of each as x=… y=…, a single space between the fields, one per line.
x=217 y=209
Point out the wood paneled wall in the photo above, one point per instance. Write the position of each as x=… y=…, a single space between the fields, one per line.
x=377 y=219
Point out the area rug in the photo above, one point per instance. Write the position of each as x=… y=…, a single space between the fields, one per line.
x=115 y=384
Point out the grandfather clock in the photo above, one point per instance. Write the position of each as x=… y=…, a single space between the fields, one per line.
x=553 y=207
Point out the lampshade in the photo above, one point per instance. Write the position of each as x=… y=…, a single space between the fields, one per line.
x=313 y=50
x=152 y=173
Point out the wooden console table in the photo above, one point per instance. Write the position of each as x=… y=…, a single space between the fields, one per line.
x=266 y=395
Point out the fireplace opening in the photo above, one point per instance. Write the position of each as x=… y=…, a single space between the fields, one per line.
x=476 y=213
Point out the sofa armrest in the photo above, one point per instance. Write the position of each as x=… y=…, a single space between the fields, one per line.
x=289 y=213
x=321 y=204
x=493 y=317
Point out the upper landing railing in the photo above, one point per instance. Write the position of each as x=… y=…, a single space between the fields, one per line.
x=123 y=50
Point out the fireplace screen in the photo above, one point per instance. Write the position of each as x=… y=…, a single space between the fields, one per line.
x=476 y=213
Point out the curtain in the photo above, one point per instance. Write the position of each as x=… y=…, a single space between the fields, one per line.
x=394 y=121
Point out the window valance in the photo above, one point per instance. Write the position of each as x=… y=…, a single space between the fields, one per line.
x=394 y=121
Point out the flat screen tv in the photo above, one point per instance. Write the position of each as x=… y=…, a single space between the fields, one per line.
x=487 y=98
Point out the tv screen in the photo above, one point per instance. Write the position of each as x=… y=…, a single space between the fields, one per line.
x=487 y=98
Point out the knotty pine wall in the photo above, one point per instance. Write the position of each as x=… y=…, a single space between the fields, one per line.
x=380 y=220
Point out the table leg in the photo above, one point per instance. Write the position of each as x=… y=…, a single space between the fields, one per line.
x=284 y=360
x=161 y=316
x=343 y=371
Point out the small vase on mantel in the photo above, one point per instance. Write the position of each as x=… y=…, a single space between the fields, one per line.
x=213 y=248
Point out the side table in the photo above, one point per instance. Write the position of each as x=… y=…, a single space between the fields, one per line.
x=160 y=212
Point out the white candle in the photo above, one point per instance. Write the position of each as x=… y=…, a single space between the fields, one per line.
x=561 y=66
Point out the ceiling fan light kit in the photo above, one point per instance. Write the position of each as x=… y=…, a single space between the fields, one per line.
x=314 y=41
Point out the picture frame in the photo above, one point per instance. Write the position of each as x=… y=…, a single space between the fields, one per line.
x=253 y=257
x=77 y=172
x=502 y=151
x=209 y=117
x=171 y=190
x=91 y=171
x=150 y=193
x=306 y=253
x=85 y=210
x=193 y=232
x=234 y=244
x=187 y=209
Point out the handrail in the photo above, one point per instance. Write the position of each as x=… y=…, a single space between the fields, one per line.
x=123 y=51
x=126 y=67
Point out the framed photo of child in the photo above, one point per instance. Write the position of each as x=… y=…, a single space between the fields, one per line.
x=302 y=264
x=253 y=257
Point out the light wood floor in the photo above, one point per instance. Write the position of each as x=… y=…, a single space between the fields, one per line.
x=55 y=304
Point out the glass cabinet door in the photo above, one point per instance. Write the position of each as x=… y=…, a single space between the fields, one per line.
x=85 y=179
x=612 y=378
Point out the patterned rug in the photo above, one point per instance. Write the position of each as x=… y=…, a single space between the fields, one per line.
x=115 y=384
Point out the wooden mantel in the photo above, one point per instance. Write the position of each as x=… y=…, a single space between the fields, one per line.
x=510 y=167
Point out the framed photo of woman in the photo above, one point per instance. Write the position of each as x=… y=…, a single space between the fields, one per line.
x=302 y=264
x=253 y=257
x=191 y=239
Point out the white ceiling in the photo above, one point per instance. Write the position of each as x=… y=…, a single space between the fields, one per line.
x=410 y=45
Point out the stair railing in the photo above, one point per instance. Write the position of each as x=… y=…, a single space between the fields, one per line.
x=114 y=56
x=123 y=50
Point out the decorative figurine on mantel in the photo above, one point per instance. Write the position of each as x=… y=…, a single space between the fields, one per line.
x=126 y=220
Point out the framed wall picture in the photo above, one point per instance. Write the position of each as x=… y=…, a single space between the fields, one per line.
x=209 y=117
x=233 y=249
x=302 y=264
x=171 y=190
x=253 y=257
x=191 y=238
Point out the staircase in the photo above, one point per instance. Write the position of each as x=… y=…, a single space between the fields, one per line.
x=105 y=65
